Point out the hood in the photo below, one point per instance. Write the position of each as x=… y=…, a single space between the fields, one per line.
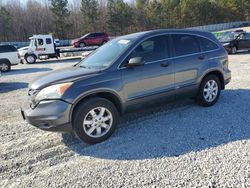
x=76 y=40
x=60 y=76
x=23 y=48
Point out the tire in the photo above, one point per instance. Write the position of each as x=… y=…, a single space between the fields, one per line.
x=203 y=97
x=5 y=66
x=104 y=42
x=82 y=45
x=30 y=59
x=233 y=50
x=88 y=122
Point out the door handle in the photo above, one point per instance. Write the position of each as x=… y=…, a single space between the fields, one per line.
x=165 y=64
x=202 y=57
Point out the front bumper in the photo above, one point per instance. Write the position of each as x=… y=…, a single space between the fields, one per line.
x=52 y=115
x=227 y=77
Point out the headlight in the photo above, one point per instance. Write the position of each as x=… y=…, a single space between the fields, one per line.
x=53 y=92
x=226 y=44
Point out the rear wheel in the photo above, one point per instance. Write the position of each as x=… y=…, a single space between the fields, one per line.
x=233 y=50
x=95 y=120
x=209 y=91
x=5 y=66
x=30 y=59
x=104 y=42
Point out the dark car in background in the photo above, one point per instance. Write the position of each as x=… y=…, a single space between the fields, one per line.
x=91 y=39
x=124 y=74
x=234 y=41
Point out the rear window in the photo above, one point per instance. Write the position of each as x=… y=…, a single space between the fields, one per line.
x=48 y=41
x=185 y=44
x=7 y=48
x=207 y=45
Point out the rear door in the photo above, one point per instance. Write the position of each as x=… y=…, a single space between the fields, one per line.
x=244 y=41
x=49 y=45
x=155 y=77
x=188 y=60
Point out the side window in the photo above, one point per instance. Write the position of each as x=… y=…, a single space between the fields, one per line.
x=7 y=48
x=40 y=42
x=48 y=41
x=207 y=45
x=247 y=36
x=92 y=35
x=2 y=49
x=152 y=49
x=185 y=44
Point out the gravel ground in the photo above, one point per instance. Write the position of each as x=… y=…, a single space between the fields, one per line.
x=173 y=145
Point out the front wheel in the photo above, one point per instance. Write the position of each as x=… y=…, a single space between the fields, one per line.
x=30 y=59
x=209 y=91
x=95 y=120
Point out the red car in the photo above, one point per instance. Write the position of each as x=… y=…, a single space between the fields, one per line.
x=91 y=39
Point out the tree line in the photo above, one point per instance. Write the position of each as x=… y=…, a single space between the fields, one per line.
x=67 y=20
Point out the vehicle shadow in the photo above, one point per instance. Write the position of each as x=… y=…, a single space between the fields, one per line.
x=25 y=71
x=173 y=130
x=11 y=86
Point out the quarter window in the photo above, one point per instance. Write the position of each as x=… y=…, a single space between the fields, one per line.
x=207 y=45
x=185 y=44
x=152 y=49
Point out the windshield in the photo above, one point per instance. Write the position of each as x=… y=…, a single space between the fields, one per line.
x=32 y=41
x=104 y=56
x=85 y=35
x=227 y=37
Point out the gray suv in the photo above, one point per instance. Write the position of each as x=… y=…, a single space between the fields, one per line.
x=127 y=72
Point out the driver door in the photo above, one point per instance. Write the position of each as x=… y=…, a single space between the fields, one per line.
x=155 y=77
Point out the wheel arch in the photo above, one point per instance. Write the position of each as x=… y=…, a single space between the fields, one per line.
x=5 y=60
x=112 y=97
x=217 y=73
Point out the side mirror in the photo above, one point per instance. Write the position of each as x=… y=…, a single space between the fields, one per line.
x=135 y=61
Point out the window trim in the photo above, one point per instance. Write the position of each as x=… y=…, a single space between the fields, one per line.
x=119 y=67
x=149 y=62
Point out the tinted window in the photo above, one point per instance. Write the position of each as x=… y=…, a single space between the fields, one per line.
x=207 y=45
x=152 y=49
x=7 y=48
x=48 y=41
x=40 y=42
x=92 y=35
x=185 y=44
x=247 y=36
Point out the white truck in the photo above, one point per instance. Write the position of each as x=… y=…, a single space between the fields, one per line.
x=41 y=46
x=8 y=57
x=45 y=47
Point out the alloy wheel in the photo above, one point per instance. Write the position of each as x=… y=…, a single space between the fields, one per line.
x=210 y=90
x=97 y=122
